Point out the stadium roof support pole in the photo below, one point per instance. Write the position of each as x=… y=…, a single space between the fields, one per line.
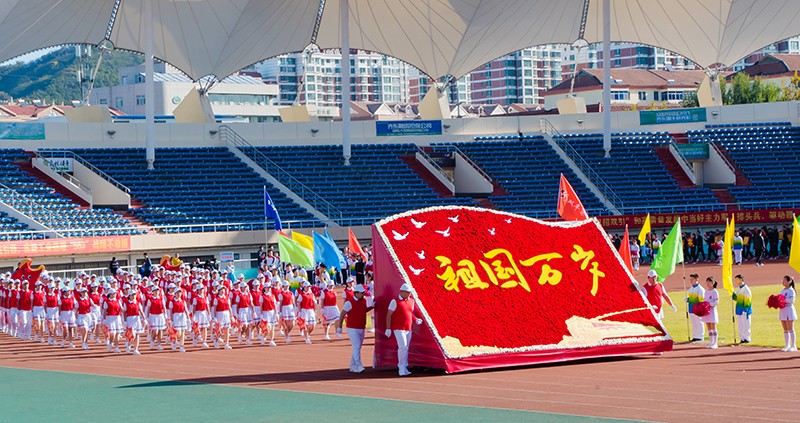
x=607 y=77
x=149 y=86
x=344 y=10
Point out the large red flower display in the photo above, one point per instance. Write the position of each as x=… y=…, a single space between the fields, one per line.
x=499 y=289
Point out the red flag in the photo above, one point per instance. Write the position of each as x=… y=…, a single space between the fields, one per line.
x=569 y=205
x=625 y=250
x=353 y=244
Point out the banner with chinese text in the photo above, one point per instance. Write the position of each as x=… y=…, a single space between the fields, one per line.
x=64 y=246
x=714 y=218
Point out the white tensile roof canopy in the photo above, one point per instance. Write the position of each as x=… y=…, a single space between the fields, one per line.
x=440 y=37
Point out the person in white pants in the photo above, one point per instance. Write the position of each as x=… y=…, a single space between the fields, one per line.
x=398 y=321
x=355 y=311
x=788 y=314
x=744 y=308
x=695 y=295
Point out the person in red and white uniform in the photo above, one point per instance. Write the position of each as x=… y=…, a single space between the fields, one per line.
x=243 y=308
x=330 y=309
x=179 y=316
x=255 y=295
x=112 y=316
x=25 y=311
x=51 y=313
x=39 y=314
x=84 y=319
x=355 y=312
x=66 y=306
x=269 y=314
x=656 y=294
x=307 y=310
x=134 y=320
x=97 y=313
x=288 y=313
x=155 y=311
x=13 y=308
x=221 y=308
x=347 y=293
x=201 y=314
x=398 y=321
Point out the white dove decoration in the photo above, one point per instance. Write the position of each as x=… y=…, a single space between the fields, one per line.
x=508 y=220
x=445 y=233
x=421 y=254
x=416 y=272
x=454 y=219
x=418 y=224
x=491 y=231
x=398 y=236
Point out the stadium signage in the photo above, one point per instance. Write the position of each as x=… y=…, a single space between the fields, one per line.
x=661 y=117
x=408 y=127
x=60 y=164
x=66 y=246
x=694 y=151
x=706 y=219
x=22 y=131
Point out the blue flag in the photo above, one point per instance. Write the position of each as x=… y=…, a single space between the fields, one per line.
x=342 y=261
x=326 y=251
x=271 y=211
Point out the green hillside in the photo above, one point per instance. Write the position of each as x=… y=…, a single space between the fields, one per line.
x=53 y=77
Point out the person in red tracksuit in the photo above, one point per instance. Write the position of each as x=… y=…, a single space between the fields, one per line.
x=398 y=321
x=25 y=313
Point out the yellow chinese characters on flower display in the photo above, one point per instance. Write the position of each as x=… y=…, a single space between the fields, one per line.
x=502 y=270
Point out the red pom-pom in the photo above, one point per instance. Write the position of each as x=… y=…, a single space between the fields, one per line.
x=701 y=309
x=776 y=301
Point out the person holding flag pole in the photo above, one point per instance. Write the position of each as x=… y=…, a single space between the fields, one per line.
x=270 y=211
x=727 y=268
x=663 y=265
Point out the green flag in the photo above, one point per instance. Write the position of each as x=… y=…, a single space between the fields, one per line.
x=292 y=252
x=670 y=253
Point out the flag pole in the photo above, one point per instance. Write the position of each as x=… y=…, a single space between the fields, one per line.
x=685 y=297
x=733 y=303
x=266 y=228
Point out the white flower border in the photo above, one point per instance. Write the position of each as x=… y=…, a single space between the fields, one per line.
x=550 y=347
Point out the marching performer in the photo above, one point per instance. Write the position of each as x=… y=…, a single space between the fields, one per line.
x=788 y=314
x=355 y=312
x=308 y=312
x=156 y=321
x=330 y=310
x=269 y=315
x=711 y=320
x=221 y=309
x=179 y=316
x=201 y=314
x=39 y=314
x=84 y=321
x=66 y=306
x=398 y=321
x=695 y=295
x=288 y=314
x=112 y=316
x=744 y=308
x=134 y=320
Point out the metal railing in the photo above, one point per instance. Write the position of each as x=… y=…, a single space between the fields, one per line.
x=454 y=149
x=66 y=154
x=436 y=166
x=230 y=137
x=583 y=165
x=29 y=208
x=72 y=179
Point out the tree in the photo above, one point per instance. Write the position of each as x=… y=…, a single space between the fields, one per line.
x=690 y=100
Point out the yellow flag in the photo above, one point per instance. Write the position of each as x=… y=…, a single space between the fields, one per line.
x=645 y=229
x=794 y=254
x=304 y=240
x=727 y=257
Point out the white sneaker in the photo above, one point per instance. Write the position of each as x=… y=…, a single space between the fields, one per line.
x=151 y=345
x=338 y=336
x=785 y=349
x=173 y=347
x=216 y=344
x=327 y=338
x=116 y=350
x=713 y=346
x=42 y=341
x=272 y=343
x=159 y=347
x=108 y=347
x=240 y=338
x=228 y=347
x=71 y=345
x=249 y=342
x=35 y=338
x=63 y=343
x=282 y=334
x=194 y=343
x=85 y=347
x=308 y=340
x=136 y=353
x=205 y=345
x=793 y=349
x=288 y=340
x=263 y=341
x=183 y=350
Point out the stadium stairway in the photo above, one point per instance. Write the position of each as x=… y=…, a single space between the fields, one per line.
x=427 y=176
x=28 y=168
x=741 y=179
x=724 y=196
x=674 y=168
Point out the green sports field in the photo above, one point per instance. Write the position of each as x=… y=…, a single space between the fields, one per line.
x=765 y=328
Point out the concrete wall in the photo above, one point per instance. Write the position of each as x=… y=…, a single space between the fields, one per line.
x=104 y=193
x=64 y=182
x=469 y=180
x=716 y=171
